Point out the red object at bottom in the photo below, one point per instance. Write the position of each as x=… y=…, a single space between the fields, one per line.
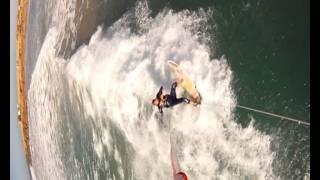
x=180 y=176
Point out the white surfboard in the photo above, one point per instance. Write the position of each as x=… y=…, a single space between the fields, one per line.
x=185 y=82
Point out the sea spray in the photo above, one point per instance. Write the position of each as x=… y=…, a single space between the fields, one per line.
x=108 y=86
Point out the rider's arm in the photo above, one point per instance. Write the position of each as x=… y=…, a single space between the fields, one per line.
x=159 y=93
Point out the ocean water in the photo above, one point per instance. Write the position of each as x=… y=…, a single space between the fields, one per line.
x=94 y=67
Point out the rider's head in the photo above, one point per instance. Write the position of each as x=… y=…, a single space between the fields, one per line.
x=155 y=102
x=180 y=176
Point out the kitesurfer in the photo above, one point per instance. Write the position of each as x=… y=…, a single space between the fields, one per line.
x=168 y=100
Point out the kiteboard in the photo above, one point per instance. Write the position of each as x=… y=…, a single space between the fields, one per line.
x=185 y=82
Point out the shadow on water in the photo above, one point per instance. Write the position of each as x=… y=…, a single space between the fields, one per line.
x=94 y=13
x=89 y=14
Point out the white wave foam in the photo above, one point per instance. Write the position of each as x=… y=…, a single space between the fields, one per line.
x=43 y=110
x=116 y=76
x=124 y=71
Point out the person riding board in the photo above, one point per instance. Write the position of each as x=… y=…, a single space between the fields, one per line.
x=168 y=100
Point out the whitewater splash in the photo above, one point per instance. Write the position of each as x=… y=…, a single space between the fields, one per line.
x=91 y=115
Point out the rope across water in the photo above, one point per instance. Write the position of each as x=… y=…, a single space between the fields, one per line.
x=275 y=115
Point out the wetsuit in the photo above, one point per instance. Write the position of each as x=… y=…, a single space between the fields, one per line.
x=170 y=99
